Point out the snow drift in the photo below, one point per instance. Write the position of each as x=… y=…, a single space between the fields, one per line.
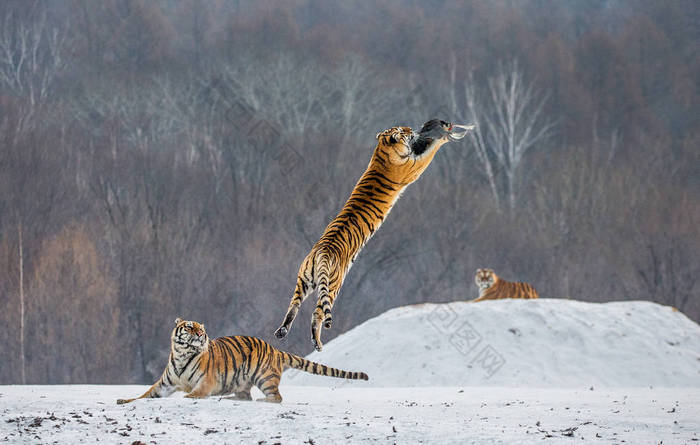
x=518 y=343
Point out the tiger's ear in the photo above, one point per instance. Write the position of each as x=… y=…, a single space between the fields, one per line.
x=178 y=320
x=478 y=270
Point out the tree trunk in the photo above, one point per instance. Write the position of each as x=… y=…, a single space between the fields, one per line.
x=21 y=305
x=510 y=175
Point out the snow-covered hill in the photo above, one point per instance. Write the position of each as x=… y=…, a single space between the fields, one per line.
x=520 y=343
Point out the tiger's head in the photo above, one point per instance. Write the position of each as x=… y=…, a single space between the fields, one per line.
x=189 y=335
x=485 y=278
x=395 y=143
x=405 y=144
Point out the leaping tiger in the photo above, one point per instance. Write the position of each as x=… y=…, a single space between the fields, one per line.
x=400 y=157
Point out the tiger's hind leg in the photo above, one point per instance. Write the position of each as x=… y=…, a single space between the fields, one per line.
x=303 y=288
x=328 y=293
x=322 y=315
x=270 y=387
x=325 y=306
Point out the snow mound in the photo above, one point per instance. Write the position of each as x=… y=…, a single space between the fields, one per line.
x=518 y=343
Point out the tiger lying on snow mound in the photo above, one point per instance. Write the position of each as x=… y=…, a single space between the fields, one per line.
x=491 y=287
x=399 y=159
x=228 y=365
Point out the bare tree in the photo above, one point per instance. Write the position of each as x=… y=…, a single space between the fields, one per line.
x=575 y=197
x=30 y=60
x=21 y=303
x=286 y=90
x=31 y=57
x=577 y=193
x=509 y=122
x=664 y=218
x=360 y=102
x=478 y=138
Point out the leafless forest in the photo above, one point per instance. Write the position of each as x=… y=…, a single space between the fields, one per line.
x=179 y=158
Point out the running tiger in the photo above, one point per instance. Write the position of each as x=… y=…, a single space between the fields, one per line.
x=399 y=159
x=228 y=365
x=493 y=288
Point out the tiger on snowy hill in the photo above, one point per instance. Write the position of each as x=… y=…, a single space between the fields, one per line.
x=491 y=287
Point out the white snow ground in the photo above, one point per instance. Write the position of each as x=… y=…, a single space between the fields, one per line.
x=495 y=372
x=486 y=415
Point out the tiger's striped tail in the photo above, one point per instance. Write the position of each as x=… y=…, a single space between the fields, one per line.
x=296 y=362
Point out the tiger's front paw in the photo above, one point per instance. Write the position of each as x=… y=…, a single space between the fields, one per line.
x=281 y=332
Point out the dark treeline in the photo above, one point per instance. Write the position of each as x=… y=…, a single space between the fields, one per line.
x=179 y=158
